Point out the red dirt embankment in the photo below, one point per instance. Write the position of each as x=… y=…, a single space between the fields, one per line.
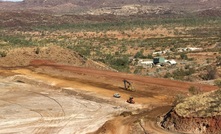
x=150 y=92
x=147 y=88
x=140 y=80
x=207 y=125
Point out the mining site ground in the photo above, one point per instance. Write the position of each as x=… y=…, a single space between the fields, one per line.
x=55 y=98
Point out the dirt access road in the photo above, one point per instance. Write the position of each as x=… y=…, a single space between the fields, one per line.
x=47 y=97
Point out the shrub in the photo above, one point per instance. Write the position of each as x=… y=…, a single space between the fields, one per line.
x=211 y=73
x=194 y=90
x=3 y=54
x=183 y=56
x=139 y=55
x=37 y=51
x=178 y=99
x=149 y=56
x=168 y=75
x=218 y=83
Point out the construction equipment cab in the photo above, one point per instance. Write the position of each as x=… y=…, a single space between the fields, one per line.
x=128 y=85
x=131 y=100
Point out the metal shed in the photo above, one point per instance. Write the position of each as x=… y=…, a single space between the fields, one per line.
x=157 y=60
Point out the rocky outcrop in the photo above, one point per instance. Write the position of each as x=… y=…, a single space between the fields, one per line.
x=199 y=114
x=197 y=125
x=134 y=9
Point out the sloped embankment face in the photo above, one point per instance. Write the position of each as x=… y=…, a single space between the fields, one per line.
x=208 y=125
x=196 y=114
x=35 y=56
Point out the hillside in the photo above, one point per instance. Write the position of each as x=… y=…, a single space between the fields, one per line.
x=25 y=56
x=63 y=61
x=85 y=6
x=201 y=111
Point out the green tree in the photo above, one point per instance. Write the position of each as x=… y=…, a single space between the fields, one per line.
x=211 y=73
x=183 y=56
x=3 y=54
x=218 y=83
x=139 y=54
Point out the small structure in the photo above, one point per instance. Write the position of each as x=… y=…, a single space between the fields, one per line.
x=189 y=49
x=182 y=49
x=195 y=49
x=161 y=52
x=157 y=60
x=171 y=62
x=145 y=63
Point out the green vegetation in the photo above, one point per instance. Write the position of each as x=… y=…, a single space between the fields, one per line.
x=211 y=73
x=125 y=24
x=203 y=105
x=16 y=40
x=218 y=83
x=115 y=51
x=194 y=90
x=3 y=54
x=180 y=73
x=37 y=51
x=183 y=56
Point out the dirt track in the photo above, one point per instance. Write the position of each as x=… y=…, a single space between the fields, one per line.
x=51 y=98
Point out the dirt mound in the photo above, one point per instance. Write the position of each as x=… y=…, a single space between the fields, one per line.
x=51 y=54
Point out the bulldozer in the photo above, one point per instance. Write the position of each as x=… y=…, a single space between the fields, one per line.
x=128 y=85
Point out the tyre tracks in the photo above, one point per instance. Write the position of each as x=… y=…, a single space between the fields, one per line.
x=50 y=118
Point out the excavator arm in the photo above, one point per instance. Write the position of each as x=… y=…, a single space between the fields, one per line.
x=128 y=85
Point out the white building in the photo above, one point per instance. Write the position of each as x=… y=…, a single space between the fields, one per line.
x=189 y=49
x=171 y=62
x=145 y=63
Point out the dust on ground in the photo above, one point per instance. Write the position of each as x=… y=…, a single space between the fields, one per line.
x=51 y=95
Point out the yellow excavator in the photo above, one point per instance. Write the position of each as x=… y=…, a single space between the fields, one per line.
x=128 y=85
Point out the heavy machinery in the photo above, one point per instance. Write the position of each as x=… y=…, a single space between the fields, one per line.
x=131 y=100
x=128 y=85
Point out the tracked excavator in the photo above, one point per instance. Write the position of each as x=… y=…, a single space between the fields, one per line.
x=128 y=85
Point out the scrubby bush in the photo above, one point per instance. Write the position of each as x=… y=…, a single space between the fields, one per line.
x=120 y=63
x=139 y=54
x=3 y=54
x=211 y=73
x=218 y=83
x=183 y=56
x=37 y=51
x=178 y=99
x=194 y=90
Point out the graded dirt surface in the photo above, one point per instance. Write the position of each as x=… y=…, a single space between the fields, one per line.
x=47 y=97
x=27 y=108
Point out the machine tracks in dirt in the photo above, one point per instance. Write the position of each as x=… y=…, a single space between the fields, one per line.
x=50 y=118
x=45 y=116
